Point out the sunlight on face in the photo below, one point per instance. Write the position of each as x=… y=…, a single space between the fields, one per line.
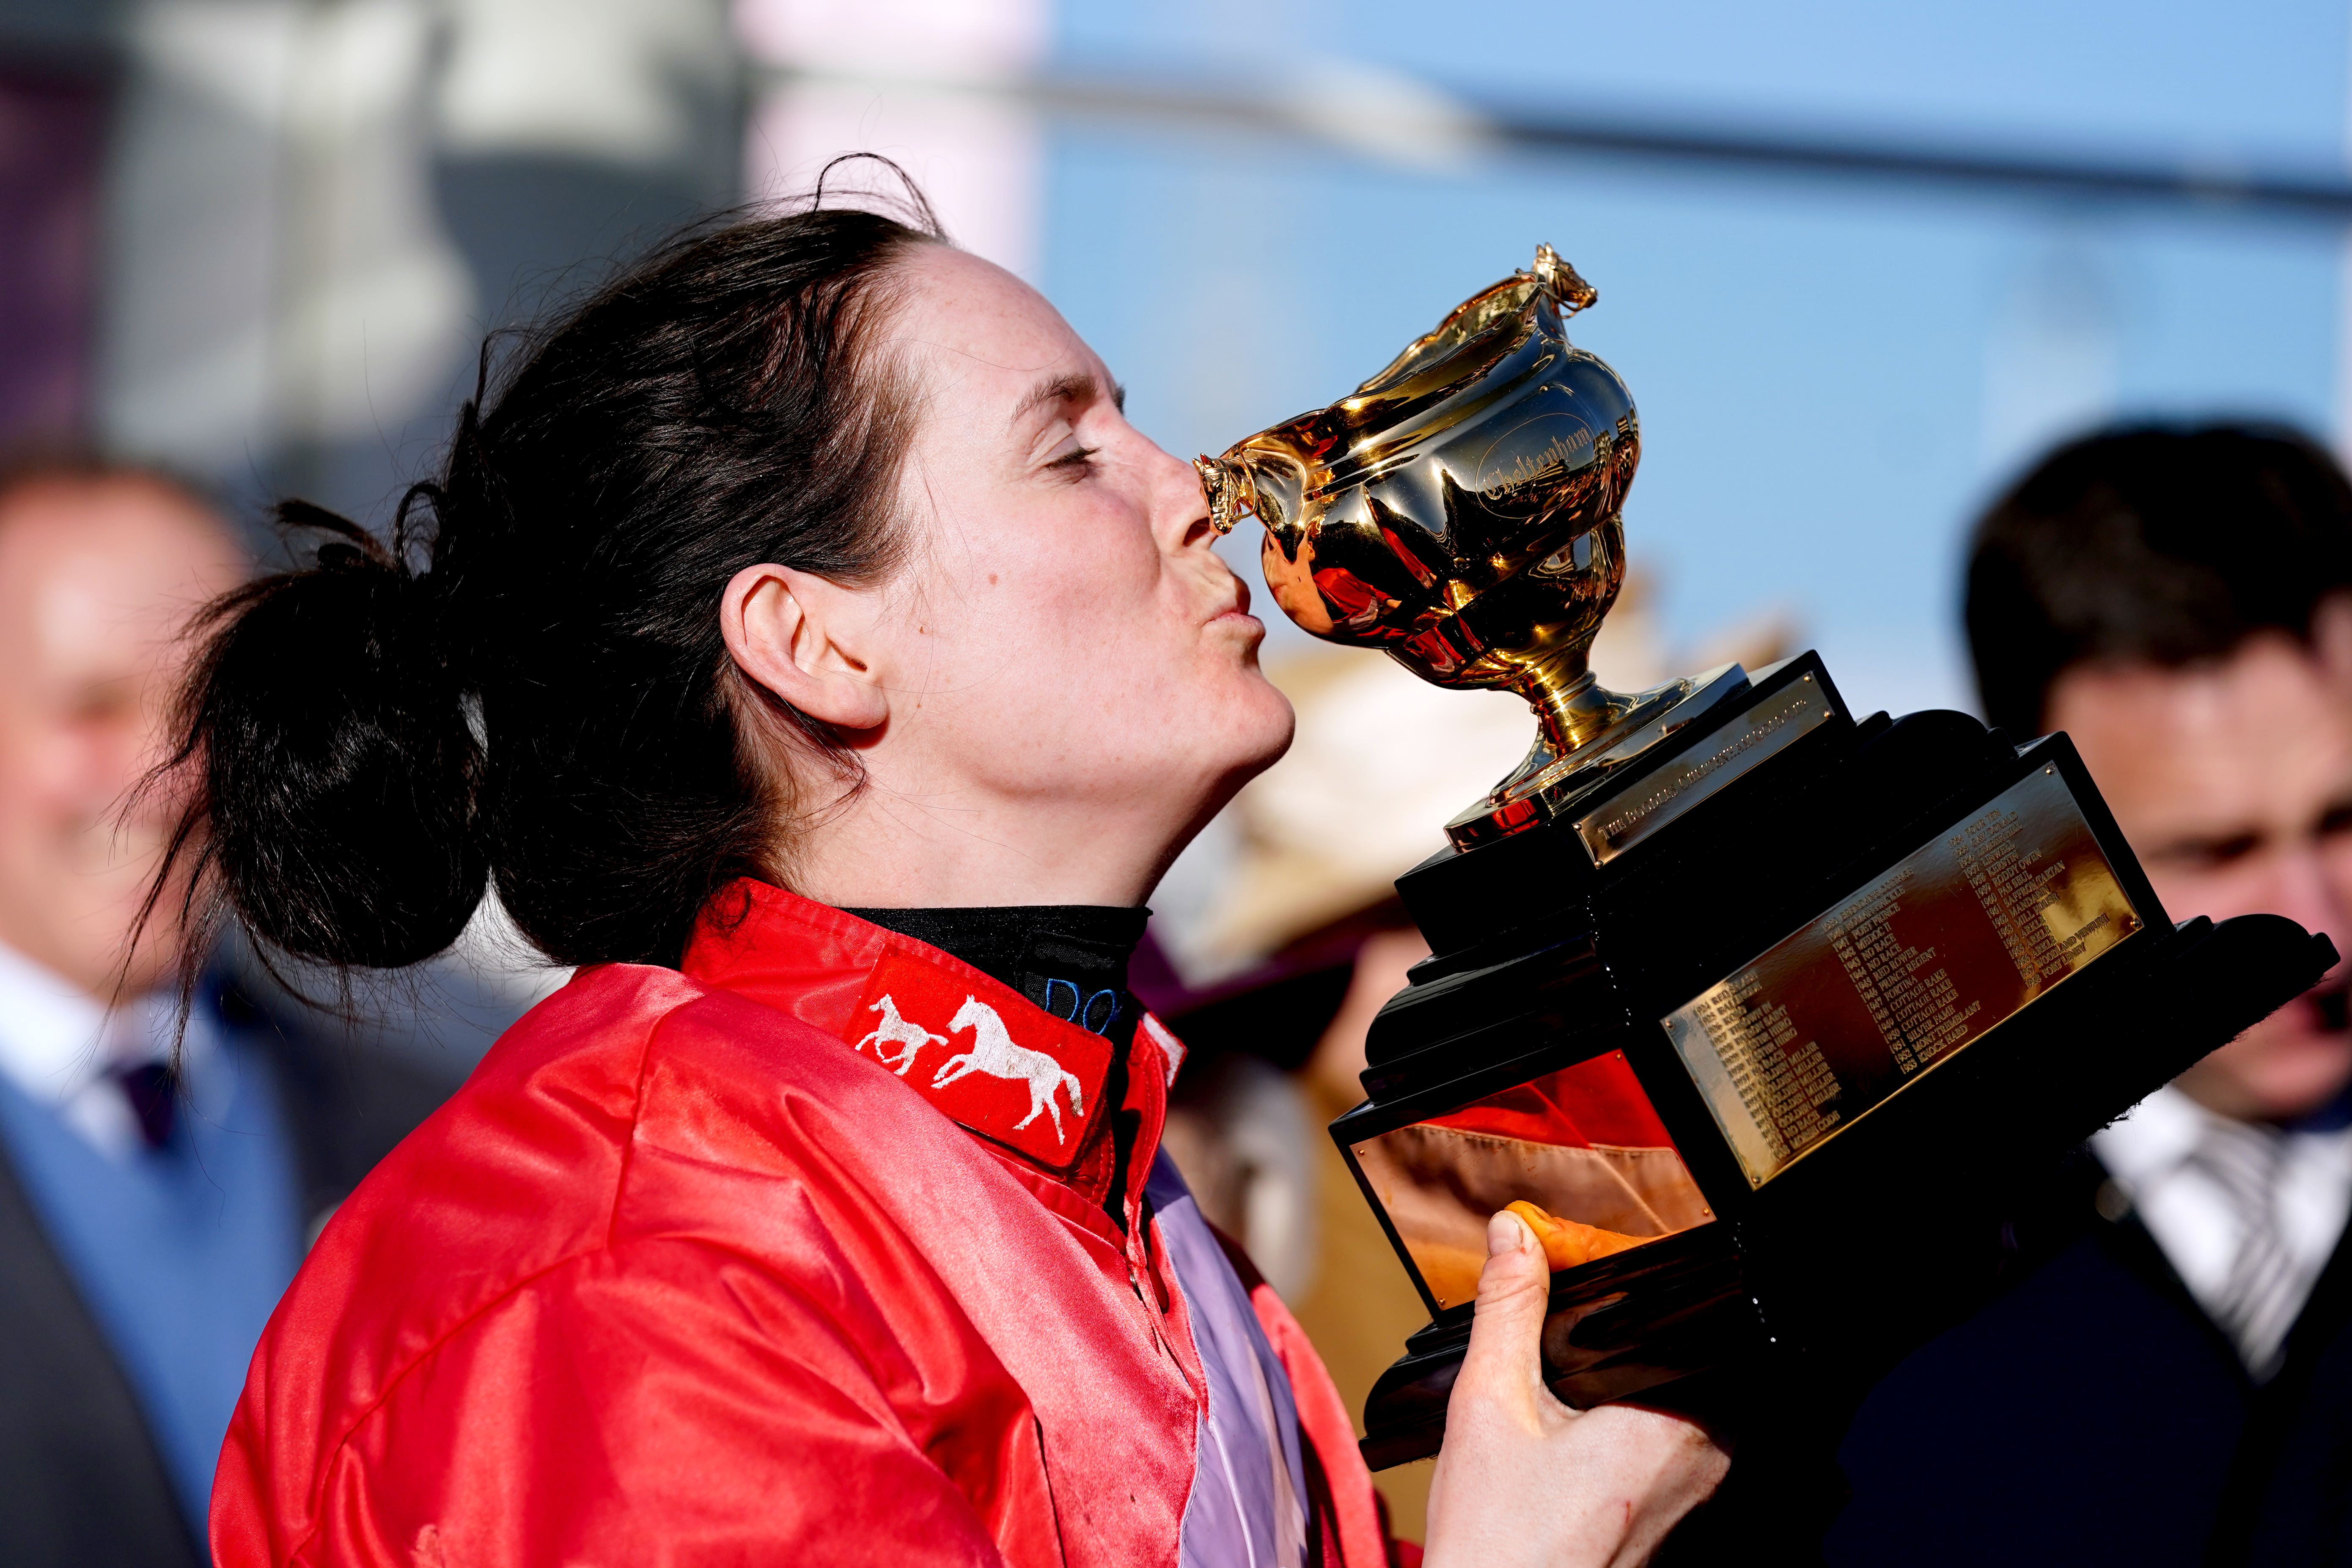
x=1064 y=633
x=2233 y=783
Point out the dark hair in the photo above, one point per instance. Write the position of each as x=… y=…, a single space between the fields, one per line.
x=2154 y=544
x=546 y=705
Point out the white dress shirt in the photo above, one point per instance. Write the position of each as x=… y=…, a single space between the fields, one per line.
x=2149 y=1155
x=58 y=1045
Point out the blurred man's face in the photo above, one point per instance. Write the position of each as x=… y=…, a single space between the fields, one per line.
x=2234 y=785
x=97 y=582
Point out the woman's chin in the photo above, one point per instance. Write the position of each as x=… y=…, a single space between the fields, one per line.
x=1264 y=724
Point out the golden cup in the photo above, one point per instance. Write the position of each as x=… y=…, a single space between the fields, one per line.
x=1461 y=512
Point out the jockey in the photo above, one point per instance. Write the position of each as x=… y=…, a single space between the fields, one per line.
x=803 y=646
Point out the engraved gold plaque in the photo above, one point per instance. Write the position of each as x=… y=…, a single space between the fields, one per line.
x=1924 y=958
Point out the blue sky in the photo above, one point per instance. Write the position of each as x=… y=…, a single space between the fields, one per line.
x=2262 y=77
x=1832 y=376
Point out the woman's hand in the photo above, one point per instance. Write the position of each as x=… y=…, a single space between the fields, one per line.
x=1524 y=1480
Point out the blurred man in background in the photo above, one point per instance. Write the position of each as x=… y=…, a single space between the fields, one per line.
x=2171 y=1377
x=148 y=1216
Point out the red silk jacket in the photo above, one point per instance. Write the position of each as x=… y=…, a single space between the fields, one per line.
x=693 y=1270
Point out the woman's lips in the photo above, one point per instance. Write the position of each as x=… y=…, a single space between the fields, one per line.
x=1239 y=609
x=1237 y=617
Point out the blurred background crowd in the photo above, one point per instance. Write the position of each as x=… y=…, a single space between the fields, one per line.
x=1862 y=266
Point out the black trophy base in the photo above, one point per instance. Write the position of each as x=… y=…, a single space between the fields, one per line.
x=1860 y=981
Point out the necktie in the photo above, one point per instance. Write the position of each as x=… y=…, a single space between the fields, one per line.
x=2259 y=1302
x=153 y=1091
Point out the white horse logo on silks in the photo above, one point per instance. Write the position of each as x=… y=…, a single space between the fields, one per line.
x=894 y=1030
x=993 y=1052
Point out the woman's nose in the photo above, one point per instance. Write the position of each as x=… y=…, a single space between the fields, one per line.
x=1180 y=512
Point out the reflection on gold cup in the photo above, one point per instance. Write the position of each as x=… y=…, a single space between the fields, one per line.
x=1460 y=511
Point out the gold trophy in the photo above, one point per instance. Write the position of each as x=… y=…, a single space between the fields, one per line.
x=1743 y=1002
x=1461 y=512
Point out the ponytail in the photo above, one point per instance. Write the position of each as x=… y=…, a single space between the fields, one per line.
x=334 y=812
x=549 y=706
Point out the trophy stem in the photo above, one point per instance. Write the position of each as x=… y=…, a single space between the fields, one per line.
x=1573 y=708
x=1584 y=730
x=1575 y=714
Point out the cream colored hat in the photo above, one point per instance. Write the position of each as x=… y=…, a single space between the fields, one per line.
x=1382 y=759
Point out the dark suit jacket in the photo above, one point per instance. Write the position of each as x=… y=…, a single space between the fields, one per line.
x=82 y=1482
x=2092 y=1414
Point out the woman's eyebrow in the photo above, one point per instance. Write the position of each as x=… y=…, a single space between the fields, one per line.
x=1076 y=386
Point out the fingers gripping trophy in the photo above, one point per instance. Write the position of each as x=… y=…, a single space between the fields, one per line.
x=1746 y=1005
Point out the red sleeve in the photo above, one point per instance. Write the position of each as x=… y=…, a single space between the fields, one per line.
x=660 y=1404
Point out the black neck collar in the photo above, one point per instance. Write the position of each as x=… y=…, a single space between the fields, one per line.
x=1070 y=958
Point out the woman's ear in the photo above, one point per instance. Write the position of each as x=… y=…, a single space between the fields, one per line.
x=803 y=638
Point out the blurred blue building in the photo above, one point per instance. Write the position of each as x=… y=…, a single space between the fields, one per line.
x=311 y=209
